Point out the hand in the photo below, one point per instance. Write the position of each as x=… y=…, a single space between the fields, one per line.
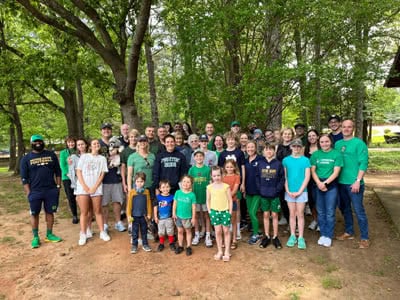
x=86 y=189
x=125 y=188
x=243 y=188
x=193 y=220
x=322 y=186
x=174 y=217
x=156 y=220
x=92 y=190
x=355 y=187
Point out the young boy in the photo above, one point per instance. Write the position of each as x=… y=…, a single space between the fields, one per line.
x=201 y=176
x=163 y=215
x=138 y=207
x=270 y=181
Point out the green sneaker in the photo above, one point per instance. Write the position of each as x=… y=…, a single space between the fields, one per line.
x=301 y=243
x=35 y=242
x=52 y=238
x=291 y=241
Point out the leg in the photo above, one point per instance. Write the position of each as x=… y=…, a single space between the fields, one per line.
x=330 y=207
x=83 y=202
x=180 y=236
x=69 y=192
x=188 y=237
x=357 y=202
x=218 y=238
x=266 y=223
x=135 y=231
x=345 y=203
x=274 y=224
x=117 y=211
x=292 y=217
x=300 y=217
x=322 y=216
x=143 y=230
x=234 y=225
x=104 y=212
x=97 y=210
x=227 y=239
x=253 y=204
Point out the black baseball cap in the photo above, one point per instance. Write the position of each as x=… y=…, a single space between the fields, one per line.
x=142 y=138
x=203 y=137
x=334 y=117
x=106 y=125
x=299 y=125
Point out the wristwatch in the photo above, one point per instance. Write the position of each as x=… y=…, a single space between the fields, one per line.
x=358 y=180
x=58 y=186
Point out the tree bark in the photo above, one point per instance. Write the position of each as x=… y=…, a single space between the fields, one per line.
x=152 y=84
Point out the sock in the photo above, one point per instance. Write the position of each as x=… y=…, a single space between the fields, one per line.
x=197 y=233
x=162 y=240
x=208 y=234
x=49 y=231
x=238 y=227
x=35 y=232
x=171 y=239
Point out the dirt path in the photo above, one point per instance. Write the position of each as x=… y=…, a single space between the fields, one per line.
x=102 y=270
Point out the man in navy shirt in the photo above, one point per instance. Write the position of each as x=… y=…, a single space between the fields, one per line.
x=41 y=178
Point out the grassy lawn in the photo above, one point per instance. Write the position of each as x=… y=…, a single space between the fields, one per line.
x=384 y=161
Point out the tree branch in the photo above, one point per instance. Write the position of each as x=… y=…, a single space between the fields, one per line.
x=45 y=99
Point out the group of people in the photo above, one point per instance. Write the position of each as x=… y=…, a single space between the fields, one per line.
x=203 y=186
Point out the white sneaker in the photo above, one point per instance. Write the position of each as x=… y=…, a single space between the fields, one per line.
x=119 y=226
x=105 y=227
x=238 y=236
x=318 y=229
x=196 y=240
x=307 y=210
x=282 y=221
x=313 y=225
x=89 y=233
x=208 y=241
x=82 y=239
x=202 y=234
x=327 y=242
x=104 y=236
x=321 y=241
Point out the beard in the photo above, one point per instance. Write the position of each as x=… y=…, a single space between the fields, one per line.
x=38 y=147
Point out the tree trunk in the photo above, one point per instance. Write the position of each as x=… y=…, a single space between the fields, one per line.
x=302 y=78
x=74 y=120
x=317 y=81
x=152 y=84
x=80 y=107
x=12 y=163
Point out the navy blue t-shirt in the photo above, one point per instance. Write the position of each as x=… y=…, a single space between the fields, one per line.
x=112 y=176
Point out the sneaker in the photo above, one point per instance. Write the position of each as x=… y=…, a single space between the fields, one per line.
x=345 y=236
x=282 y=221
x=189 y=251
x=82 y=239
x=105 y=226
x=254 y=239
x=119 y=226
x=321 y=240
x=318 y=229
x=238 y=236
x=52 y=238
x=307 y=210
x=243 y=226
x=277 y=243
x=327 y=242
x=291 y=241
x=160 y=247
x=172 y=247
x=313 y=225
x=130 y=229
x=89 y=233
x=179 y=250
x=208 y=241
x=196 y=240
x=35 y=242
x=265 y=242
x=146 y=248
x=301 y=243
x=134 y=249
x=364 y=244
x=202 y=235
x=104 y=236
x=75 y=220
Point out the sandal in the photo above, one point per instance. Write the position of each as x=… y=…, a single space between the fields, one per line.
x=226 y=258
x=234 y=245
x=218 y=256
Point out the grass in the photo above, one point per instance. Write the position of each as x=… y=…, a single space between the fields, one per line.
x=331 y=268
x=319 y=260
x=385 y=161
x=7 y=239
x=330 y=282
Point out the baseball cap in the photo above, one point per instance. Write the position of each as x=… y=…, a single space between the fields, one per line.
x=334 y=117
x=142 y=138
x=257 y=131
x=106 y=125
x=36 y=137
x=296 y=142
x=198 y=151
x=299 y=125
x=235 y=123
x=203 y=137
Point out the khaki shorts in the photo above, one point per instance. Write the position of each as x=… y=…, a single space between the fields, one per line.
x=165 y=226
x=201 y=207
x=112 y=192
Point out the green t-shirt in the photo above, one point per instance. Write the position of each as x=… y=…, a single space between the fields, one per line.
x=125 y=154
x=355 y=158
x=184 y=202
x=325 y=162
x=140 y=164
x=201 y=178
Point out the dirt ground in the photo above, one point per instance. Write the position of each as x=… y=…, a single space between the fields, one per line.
x=102 y=270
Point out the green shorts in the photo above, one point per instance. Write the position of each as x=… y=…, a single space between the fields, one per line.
x=220 y=217
x=271 y=204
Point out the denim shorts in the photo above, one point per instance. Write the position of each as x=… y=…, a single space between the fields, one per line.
x=185 y=223
x=300 y=199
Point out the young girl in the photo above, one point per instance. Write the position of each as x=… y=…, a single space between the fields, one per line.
x=219 y=204
x=184 y=213
x=297 y=174
x=90 y=172
x=232 y=178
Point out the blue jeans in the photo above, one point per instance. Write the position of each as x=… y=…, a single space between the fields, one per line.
x=346 y=201
x=326 y=210
x=139 y=222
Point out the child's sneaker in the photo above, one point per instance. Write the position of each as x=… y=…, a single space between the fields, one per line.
x=291 y=241
x=146 y=248
x=160 y=247
x=189 y=251
x=82 y=239
x=265 y=242
x=277 y=243
x=172 y=247
x=52 y=238
x=134 y=249
x=35 y=242
x=254 y=239
x=119 y=226
x=208 y=241
x=313 y=225
x=89 y=233
x=301 y=243
x=104 y=236
x=179 y=250
x=196 y=240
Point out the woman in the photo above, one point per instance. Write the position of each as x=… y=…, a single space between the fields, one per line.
x=326 y=164
x=132 y=138
x=243 y=139
x=65 y=155
x=219 y=144
x=182 y=147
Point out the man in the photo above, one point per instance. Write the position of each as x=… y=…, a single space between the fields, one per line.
x=41 y=178
x=235 y=127
x=170 y=164
x=124 y=137
x=155 y=145
x=112 y=183
x=210 y=135
x=161 y=134
x=300 y=130
x=335 y=127
x=269 y=136
x=351 y=183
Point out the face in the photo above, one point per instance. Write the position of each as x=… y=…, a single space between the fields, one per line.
x=312 y=137
x=178 y=127
x=287 y=136
x=277 y=135
x=251 y=149
x=199 y=158
x=143 y=144
x=165 y=188
x=132 y=139
x=38 y=145
x=178 y=139
x=269 y=136
x=194 y=144
x=218 y=142
x=203 y=144
x=334 y=125
x=300 y=131
x=186 y=183
x=71 y=144
x=161 y=133
x=216 y=176
x=139 y=183
x=167 y=127
x=325 y=143
x=95 y=146
x=124 y=130
x=296 y=149
x=230 y=142
x=244 y=139
x=229 y=168
x=106 y=133
x=347 y=128
x=169 y=144
x=209 y=129
x=81 y=146
x=185 y=127
x=269 y=153
x=235 y=129
x=149 y=132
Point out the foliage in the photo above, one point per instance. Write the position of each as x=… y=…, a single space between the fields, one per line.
x=385 y=161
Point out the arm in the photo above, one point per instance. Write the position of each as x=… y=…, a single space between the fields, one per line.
x=242 y=186
x=320 y=185
x=81 y=180
x=193 y=213
x=123 y=176
x=149 y=210
x=208 y=201
x=229 y=196
x=174 y=210
x=363 y=165
x=129 y=205
x=155 y=212
x=129 y=178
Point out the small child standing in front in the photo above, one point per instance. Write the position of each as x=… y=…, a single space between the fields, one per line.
x=219 y=204
x=163 y=215
x=139 y=212
x=297 y=174
x=184 y=213
x=232 y=178
x=201 y=177
x=270 y=181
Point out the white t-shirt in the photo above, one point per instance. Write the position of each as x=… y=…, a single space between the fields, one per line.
x=91 y=166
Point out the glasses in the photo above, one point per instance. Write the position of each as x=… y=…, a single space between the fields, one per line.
x=194 y=141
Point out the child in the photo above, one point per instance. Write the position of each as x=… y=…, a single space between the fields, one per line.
x=219 y=204
x=138 y=209
x=232 y=179
x=201 y=177
x=270 y=180
x=297 y=173
x=163 y=215
x=184 y=213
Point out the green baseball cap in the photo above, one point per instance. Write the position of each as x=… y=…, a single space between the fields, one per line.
x=235 y=123
x=36 y=137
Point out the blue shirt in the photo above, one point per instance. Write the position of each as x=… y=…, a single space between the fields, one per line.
x=295 y=171
x=164 y=204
